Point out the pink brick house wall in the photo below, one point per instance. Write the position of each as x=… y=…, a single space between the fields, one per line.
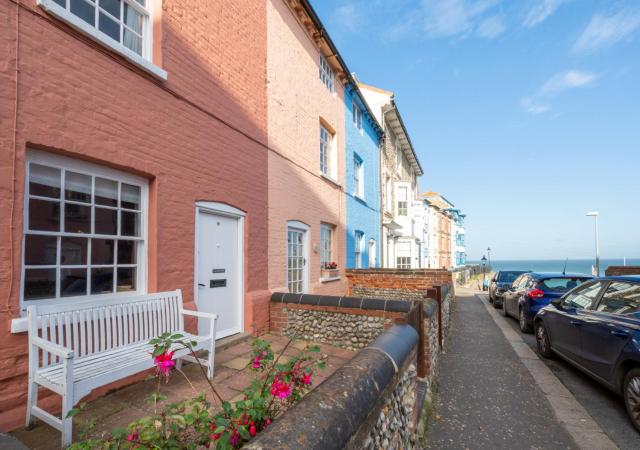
x=200 y=135
x=298 y=102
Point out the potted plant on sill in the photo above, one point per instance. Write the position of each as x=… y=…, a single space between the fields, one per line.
x=329 y=270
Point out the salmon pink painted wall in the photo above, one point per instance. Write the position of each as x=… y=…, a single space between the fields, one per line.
x=201 y=135
x=297 y=103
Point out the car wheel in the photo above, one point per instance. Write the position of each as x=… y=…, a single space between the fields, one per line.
x=631 y=392
x=542 y=340
x=524 y=326
x=496 y=305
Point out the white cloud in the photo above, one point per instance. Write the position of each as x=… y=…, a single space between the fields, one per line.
x=568 y=80
x=491 y=27
x=541 y=11
x=605 y=30
x=446 y=18
x=532 y=107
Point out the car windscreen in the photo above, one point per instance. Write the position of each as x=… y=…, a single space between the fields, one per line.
x=508 y=277
x=561 y=284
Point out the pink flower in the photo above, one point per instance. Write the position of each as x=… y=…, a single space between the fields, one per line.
x=132 y=437
x=306 y=378
x=164 y=363
x=257 y=362
x=235 y=438
x=280 y=389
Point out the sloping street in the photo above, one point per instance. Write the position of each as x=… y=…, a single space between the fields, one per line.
x=487 y=397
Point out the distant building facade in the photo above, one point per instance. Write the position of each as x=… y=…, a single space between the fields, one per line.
x=363 y=136
x=400 y=170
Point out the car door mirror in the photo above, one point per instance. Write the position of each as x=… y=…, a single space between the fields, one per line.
x=557 y=303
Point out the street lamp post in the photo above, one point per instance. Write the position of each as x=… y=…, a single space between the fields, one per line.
x=484 y=262
x=595 y=215
x=489 y=258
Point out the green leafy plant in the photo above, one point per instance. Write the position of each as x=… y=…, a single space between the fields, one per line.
x=278 y=384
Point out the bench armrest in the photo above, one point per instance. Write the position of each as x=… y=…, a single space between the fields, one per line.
x=50 y=347
x=203 y=315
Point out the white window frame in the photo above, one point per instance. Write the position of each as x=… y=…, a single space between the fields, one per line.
x=326 y=244
x=326 y=74
x=357 y=248
x=328 y=166
x=403 y=262
x=403 y=210
x=143 y=61
x=356 y=114
x=358 y=176
x=372 y=253
x=74 y=165
x=300 y=227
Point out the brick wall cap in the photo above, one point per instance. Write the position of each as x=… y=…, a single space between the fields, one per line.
x=364 y=303
x=397 y=342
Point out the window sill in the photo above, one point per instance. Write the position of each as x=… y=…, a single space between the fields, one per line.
x=19 y=325
x=330 y=179
x=330 y=279
x=359 y=198
x=58 y=11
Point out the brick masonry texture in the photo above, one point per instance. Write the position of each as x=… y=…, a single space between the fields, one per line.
x=381 y=283
x=622 y=270
x=79 y=99
x=297 y=103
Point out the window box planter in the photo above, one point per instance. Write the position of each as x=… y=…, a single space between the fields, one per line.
x=329 y=273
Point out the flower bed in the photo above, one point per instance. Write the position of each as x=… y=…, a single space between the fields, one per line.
x=278 y=383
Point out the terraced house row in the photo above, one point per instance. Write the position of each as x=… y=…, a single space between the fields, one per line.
x=223 y=148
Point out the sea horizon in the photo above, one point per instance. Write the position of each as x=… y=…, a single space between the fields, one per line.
x=576 y=265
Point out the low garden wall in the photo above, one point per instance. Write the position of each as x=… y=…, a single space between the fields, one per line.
x=368 y=403
x=622 y=270
x=399 y=321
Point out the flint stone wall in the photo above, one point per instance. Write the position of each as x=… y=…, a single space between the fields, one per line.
x=348 y=331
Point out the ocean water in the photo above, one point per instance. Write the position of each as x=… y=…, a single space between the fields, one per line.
x=556 y=265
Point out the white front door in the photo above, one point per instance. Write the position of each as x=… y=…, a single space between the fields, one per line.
x=297 y=254
x=219 y=270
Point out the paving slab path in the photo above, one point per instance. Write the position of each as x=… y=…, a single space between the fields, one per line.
x=486 y=397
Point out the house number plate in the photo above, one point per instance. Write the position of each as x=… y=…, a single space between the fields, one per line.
x=218 y=270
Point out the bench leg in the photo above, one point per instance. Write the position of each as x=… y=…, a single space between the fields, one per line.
x=67 y=404
x=212 y=347
x=32 y=400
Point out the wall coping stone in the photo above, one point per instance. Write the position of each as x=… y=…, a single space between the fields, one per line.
x=364 y=303
x=332 y=413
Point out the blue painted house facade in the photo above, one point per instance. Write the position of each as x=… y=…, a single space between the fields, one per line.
x=362 y=187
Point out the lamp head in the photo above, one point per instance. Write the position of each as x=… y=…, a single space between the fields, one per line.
x=593 y=214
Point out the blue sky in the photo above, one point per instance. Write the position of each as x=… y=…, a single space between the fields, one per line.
x=525 y=114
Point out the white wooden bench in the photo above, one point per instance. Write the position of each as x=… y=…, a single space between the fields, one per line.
x=77 y=347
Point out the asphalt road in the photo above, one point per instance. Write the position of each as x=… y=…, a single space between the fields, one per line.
x=606 y=408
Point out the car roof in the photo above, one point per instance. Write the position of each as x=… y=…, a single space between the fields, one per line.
x=513 y=271
x=543 y=275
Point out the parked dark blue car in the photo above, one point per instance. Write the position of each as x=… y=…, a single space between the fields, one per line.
x=499 y=284
x=596 y=327
x=532 y=291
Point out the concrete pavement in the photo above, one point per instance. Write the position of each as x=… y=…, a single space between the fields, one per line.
x=487 y=398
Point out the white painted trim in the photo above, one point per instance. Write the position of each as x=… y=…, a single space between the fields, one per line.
x=298 y=226
x=144 y=62
x=222 y=209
